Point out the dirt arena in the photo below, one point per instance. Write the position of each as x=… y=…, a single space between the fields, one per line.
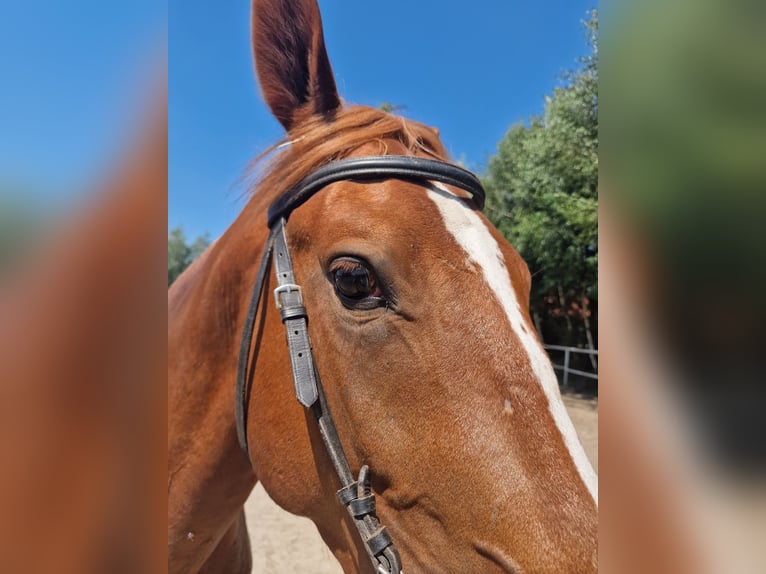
x=284 y=544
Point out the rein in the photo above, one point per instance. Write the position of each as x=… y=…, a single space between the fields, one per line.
x=355 y=495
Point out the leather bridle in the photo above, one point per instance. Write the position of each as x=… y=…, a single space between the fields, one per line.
x=355 y=495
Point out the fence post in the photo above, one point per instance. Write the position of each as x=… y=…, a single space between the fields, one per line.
x=566 y=367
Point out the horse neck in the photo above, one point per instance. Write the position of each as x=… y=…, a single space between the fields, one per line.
x=206 y=302
x=206 y=309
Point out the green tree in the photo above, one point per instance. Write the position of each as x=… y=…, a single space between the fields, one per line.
x=180 y=254
x=542 y=188
x=390 y=108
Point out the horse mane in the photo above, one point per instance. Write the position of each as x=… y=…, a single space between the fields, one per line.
x=318 y=141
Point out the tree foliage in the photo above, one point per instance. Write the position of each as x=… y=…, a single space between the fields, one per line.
x=390 y=108
x=181 y=254
x=542 y=194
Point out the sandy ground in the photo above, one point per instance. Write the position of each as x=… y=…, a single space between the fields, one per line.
x=285 y=544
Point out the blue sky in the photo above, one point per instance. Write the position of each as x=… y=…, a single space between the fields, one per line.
x=69 y=74
x=470 y=69
x=71 y=70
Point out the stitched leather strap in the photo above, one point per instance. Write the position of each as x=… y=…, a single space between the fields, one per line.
x=347 y=493
x=243 y=375
x=360 y=501
x=378 y=541
x=372 y=168
x=289 y=300
x=363 y=505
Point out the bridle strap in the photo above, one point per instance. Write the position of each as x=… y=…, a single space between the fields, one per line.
x=288 y=297
x=244 y=376
x=372 y=168
x=355 y=495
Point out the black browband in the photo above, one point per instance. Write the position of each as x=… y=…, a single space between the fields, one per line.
x=357 y=494
x=373 y=168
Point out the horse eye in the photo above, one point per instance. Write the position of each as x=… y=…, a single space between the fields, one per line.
x=353 y=280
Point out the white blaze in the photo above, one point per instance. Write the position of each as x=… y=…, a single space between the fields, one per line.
x=473 y=236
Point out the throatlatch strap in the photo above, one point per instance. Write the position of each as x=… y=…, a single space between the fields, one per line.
x=243 y=379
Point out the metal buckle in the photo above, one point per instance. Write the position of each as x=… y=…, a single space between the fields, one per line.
x=287 y=288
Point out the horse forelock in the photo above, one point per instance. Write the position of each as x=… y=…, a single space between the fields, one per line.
x=317 y=141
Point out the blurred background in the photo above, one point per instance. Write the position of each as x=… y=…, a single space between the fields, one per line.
x=83 y=221
x=75 y=80
x=682 y=180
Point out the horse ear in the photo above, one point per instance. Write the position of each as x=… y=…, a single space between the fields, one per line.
x=291 y=60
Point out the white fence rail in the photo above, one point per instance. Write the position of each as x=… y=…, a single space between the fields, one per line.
x=568 y=352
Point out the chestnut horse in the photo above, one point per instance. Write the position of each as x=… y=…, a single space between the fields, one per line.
x=421 y=332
